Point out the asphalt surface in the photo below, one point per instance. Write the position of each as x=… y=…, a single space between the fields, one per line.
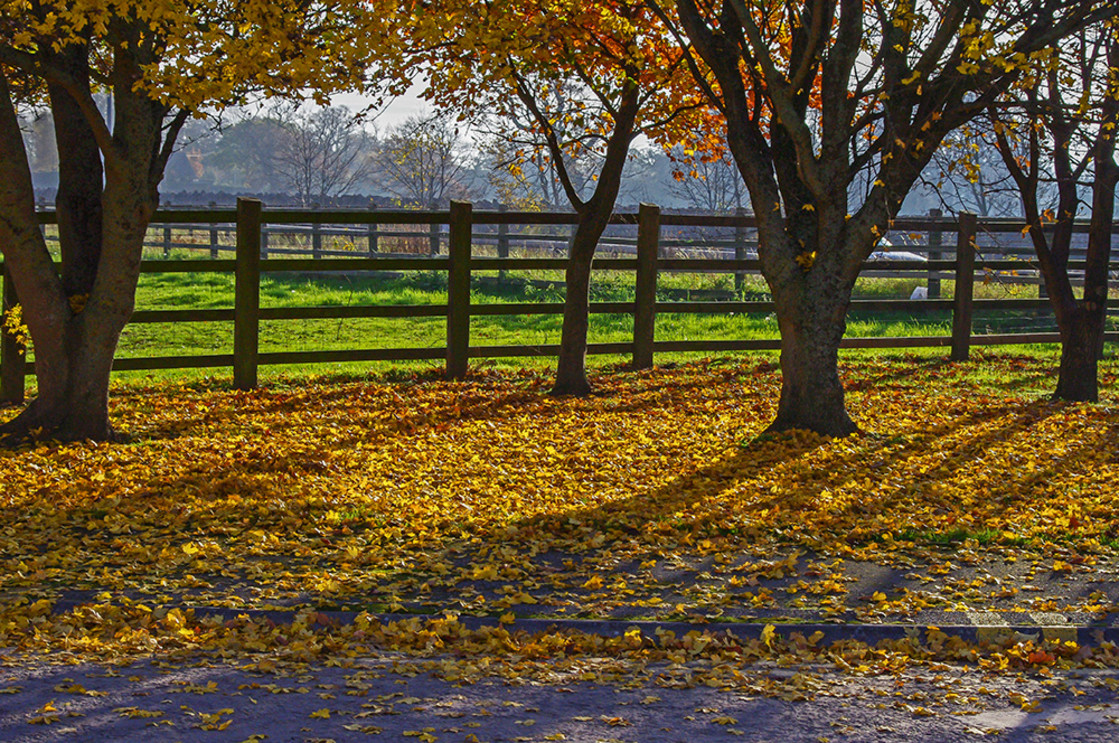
x=975 y=596
x=398 y=699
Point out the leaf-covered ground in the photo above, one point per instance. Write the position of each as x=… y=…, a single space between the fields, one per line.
x=654 y=499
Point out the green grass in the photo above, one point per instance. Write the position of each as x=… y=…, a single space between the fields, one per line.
x=213 y=291
x=216 y=291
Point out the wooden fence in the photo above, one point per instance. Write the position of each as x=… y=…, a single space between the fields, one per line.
x=459 y=263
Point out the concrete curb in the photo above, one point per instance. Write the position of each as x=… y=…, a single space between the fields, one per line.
x=871 y=634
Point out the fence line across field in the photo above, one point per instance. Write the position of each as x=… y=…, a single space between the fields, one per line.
x=466 y=229
x=494 y=235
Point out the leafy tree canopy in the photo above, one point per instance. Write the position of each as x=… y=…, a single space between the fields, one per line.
x=162 y=62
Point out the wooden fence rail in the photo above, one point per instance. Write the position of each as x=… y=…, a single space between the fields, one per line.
x=250 y=221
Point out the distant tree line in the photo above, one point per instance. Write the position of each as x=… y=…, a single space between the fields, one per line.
x=332 y=156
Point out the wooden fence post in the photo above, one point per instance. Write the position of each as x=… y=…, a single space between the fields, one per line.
x=502 y=242
x=372 y=235
x=12 y=362
x=644 y=310
x=316 y=240
x=935 y=242
x=458 y=289
x=246 y=309
x=433 y=235
x=213 y=235
x=739 y=251
x=965 y=285
x=167 y=241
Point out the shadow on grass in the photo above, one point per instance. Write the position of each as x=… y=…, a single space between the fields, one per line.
x=914 y=367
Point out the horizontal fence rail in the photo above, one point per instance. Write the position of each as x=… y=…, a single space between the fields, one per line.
x=644 y=244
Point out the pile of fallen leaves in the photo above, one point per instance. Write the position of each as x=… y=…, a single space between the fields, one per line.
x=657 y=495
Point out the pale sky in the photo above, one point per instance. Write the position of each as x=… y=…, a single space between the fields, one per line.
x=399 y=109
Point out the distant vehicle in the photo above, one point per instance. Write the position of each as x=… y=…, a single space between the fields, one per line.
x=897 y=255
x=886 y=252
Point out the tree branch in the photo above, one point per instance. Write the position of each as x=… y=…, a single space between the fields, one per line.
x=550 y=137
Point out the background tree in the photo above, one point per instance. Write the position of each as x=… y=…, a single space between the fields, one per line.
x=162 y=63
x=1064 y=121
x=523 y=164
x=38 y=140
x=244 y=154
x=423 y=161
x=520 y=170
x=707 y=181
x=968 y=174
x=519 y=179
x=322 y=153
x=588 y=78
x=819 y=95
x=191 y=165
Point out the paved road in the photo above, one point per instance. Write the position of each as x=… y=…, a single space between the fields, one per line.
x=400 y=699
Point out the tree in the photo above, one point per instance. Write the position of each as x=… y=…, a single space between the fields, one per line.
x=1065 y=117
x=421 y=161
x=707 y=181
x=520 y=179
x=323 y=153
x=522 y=163
x=818 y=94
x=191 y=165
x=163 y=62
x=520 y=172
x=588 y=78
x=38 y=140
x=971 y=176
x=245 y=153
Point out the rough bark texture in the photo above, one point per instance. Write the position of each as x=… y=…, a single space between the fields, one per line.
x=73 y=404
x=812 y=325
x=571 y=368
x=1078 y=379
x=106 y=196
x=80 y=181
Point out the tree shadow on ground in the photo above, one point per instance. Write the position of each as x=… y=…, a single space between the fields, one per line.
x=358 y=408
x=913 y=367
x=709 y=484
x=772 y=493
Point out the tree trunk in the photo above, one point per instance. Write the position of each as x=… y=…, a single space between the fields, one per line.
x=571 y=370
x=812 y=320
x=1081 y=336
x=75 y=320
x=73 y=403
x=72 y=368
x=80 y=180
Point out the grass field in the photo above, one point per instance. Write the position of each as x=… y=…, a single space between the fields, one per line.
x=215 y=291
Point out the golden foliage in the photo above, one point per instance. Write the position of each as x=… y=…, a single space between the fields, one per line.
x=490 y=495
x=12 y=324
x=206 y=54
